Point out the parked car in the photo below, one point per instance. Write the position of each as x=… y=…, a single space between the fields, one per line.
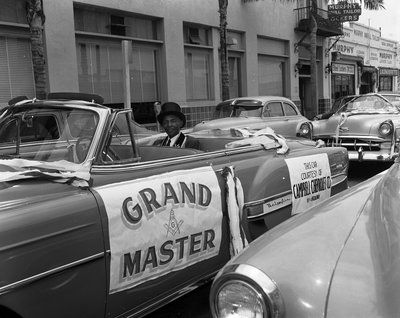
x=278 y=113
x=95 y=221
x=340 y=258
x=366 y=125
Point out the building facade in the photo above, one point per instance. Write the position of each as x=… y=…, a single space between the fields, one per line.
x=173 y=52
x=361 y=61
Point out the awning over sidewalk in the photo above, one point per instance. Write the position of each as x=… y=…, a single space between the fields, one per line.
x=369 y=69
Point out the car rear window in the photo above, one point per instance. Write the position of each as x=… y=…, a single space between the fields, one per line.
x=289 y=110
x=39 y=129
x=274 y=109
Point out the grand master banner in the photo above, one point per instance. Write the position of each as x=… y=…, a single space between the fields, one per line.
x=161 y=224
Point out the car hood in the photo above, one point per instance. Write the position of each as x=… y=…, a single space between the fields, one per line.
x=368 y=271
x=230 y=122
x=352 y=123
x=301 y=254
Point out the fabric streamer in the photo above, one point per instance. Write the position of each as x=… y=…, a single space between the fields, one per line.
x=342 y=120
x=235 y=202
x=58 y=171
x=265 y=137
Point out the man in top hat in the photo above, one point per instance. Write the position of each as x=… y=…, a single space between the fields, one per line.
x=172 y=120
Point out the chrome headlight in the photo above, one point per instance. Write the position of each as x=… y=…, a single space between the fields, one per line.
x=242 y=291
x=239 y=299
x=386 y=128
x=306 y=130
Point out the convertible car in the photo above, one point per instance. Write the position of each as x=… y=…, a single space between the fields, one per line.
x=95 y=221
x=258 y=112
x=366 y=125
x=339 y=102
x=340 y=258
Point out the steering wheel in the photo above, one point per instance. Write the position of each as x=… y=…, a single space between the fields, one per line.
x=109 y=154
x=82 y=147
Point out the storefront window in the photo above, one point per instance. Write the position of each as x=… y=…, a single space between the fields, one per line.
x=385 y=83
x=342 y=85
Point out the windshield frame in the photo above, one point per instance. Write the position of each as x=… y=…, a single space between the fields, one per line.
x=61 y=113
x=364 y=98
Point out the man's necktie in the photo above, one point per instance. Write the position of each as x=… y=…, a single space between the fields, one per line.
x=168 y=142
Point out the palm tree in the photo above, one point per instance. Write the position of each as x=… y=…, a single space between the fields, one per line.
x=223 y=6
x=223 y=9
x=36 y=19
x=373 y=4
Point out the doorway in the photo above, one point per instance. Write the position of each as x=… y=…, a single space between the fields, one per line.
x=305 y=97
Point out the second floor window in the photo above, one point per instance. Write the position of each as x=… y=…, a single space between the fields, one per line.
x=197 y=67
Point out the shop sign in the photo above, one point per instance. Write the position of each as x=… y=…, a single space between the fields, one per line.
x=343 y=11
x=388 y=71
x=343 y=69
x=386 y=58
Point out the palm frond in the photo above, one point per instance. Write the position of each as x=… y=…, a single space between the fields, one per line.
x=373 y=4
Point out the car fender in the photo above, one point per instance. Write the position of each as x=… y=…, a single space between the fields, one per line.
x=370 y=258
x=49 y=245
x=304 y=281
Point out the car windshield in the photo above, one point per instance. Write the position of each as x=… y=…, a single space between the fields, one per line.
x=47 y=134
x=238 y=111
x=368 y=103
x=339 y=102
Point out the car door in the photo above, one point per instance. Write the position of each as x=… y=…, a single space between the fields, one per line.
x=273 y=115
x=51 y=250
x=163 y=230
x=282 y=117
x=292 y=119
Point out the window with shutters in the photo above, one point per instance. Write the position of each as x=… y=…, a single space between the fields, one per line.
x=124 y=24
x=16 y=76
x=100 y=71
x=271 y=72
x=13 y=11
x=197 y=67
x=99 y=58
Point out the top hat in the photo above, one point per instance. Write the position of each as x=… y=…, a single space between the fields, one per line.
x=171 y=108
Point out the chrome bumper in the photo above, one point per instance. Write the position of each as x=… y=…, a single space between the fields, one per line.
x=369 y=156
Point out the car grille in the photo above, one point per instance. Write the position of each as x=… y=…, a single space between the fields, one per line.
x=354 y=144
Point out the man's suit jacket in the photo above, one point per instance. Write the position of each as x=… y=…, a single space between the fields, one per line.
x=190 y=142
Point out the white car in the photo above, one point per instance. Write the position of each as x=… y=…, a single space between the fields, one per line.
x=258 y=112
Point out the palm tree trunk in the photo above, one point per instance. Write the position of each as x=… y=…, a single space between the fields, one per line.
x=36 y=20
x=313 y=68
x=223 y=6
